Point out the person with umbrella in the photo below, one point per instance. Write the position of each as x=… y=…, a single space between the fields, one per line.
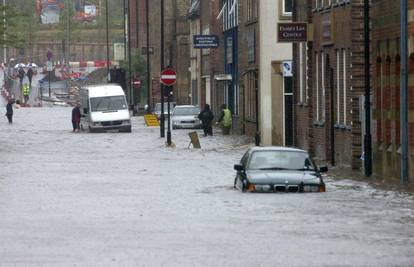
x=30 y=75
x=21 y=75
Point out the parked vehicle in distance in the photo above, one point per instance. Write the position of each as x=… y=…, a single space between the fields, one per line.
x=104 y=108
x=278 y=169
x=186 y=117
x=157 y=109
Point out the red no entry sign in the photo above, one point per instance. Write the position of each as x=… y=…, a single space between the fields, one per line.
x=168 y=77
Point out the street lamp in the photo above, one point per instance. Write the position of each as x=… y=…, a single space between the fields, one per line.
x=107 y=39
x=162 y=122
x=148 y=57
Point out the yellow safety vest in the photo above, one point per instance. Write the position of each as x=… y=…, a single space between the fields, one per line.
x=227 y=118
x=26 y=90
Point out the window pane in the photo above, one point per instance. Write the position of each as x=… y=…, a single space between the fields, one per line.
x=288 y=6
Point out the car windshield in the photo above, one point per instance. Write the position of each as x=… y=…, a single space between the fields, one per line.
x=280 y=160
x=158 y=107
x=186 y=111
x=108 y=103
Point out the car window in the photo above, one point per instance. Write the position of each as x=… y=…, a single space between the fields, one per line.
x=244 y=159
x=290 y=160
x=108 y=103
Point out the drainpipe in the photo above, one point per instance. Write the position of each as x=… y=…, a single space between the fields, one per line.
x=367 y=104
x=404 y=94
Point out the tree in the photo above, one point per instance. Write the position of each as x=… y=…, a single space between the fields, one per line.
x=139 y=70
x=10 y=33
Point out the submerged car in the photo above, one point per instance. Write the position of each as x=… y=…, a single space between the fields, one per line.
x=278 y=169
x=186 y=117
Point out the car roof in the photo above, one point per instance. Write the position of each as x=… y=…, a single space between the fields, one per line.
x=186 y=106
x=276 y=148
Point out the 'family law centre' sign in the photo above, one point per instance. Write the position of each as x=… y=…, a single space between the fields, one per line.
x=292 y=32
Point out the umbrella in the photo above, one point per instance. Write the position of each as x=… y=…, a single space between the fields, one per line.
x=32 y=65
x=20 y=65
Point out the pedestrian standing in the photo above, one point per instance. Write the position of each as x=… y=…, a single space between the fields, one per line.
x=26 y=92
x=9 y=111
x=206 y=116
x=225 y=119
x=30 y=75
x=21 y=75
x=76 y=115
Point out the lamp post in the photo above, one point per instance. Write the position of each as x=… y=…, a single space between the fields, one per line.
x=162 y=122
x=148 y=57
x=107 y=38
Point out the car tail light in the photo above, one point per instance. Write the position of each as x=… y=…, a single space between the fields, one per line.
x=322 y=188
x=251 y=187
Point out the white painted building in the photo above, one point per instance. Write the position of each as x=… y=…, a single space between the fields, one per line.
x=276 y=97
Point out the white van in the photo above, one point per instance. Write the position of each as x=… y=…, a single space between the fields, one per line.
x=104 y=108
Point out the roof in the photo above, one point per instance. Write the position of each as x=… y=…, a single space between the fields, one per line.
x=104 y=90
x=277 y=148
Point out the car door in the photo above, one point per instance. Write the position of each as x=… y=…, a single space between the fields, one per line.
x=240 y=180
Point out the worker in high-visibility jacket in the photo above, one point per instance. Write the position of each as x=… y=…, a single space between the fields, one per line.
x=26 y=92
x=225 y=119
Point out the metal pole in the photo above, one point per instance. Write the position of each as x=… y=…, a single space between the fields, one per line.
x=107 y=38
x=4 y=33
x=367 y=104
x=148 y=57
x=125 y=30
x=131 y=88
x=404 y=94
x=168 y=117
x=332 y=124
x=49 y=87
x=257 y=137
x=162 y=122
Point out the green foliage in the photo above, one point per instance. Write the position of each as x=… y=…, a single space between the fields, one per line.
x=12 y=32
x=138 y=67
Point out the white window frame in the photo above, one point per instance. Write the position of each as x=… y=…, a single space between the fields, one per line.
x=317 y=84
x=323 y=104
x=301 y=72
x=338 y=86
x=284 y=13
x=345 y=85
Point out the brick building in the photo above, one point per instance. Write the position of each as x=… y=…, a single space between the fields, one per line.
x=227 y=74
x=176 y=42
x=386 y=87
x=329 y=81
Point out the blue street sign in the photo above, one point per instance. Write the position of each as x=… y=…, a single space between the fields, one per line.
x=205 y=41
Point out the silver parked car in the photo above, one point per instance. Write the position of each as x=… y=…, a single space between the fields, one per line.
x=157 y=109
x=278 y=169
x=186 y=116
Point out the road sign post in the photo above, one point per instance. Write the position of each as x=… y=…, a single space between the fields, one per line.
x=49 y=66
x=168 y=78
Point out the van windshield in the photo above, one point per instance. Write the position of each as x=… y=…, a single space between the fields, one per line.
x=108 y=103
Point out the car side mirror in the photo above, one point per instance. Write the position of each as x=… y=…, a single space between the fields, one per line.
x=323 y=169
x=238 y=167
